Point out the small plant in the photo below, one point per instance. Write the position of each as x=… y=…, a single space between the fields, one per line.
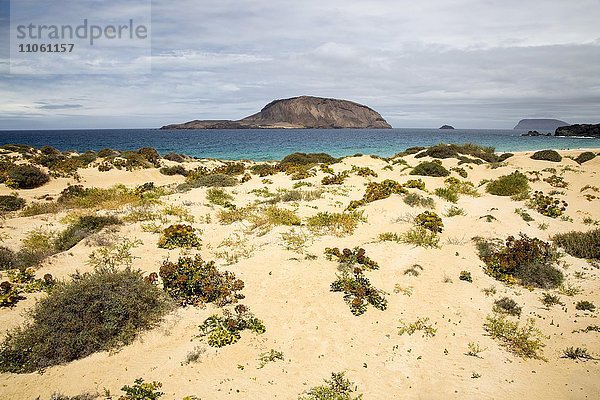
x=447 y=194
x=454 y=211
x=180 y=235
x=550 y=300
x=337 y=224
x=363 y=171
x=219 y=197
x=414 y=184
x=225 y=330
x=419 y=236
x=547 y=155
x=378 y=191
x=358 y=292
x=294 y=241
x=389 y=237
x=349 y=258
x=465 y=276
x=569 y=289
x=580 y=244
x=578 y=353
x=508 y=185
x=336 y=388
x=174 y=170
x=194 y=281
x=428 y=168
x=417 y=200
x=11 y=203
x=490 y=291
x=430 y=221
x=413 y=270
x=523 y=341
x=475 y=349
x=556 y=181
x=270 y=356
x=524 y=214
x=407 y=291
x=508 y=306
x=142 y=391
x=82 y=228
x=585 y=305
x=336 y=179
x=421 y=324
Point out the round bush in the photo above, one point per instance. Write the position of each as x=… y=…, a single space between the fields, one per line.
x=428 y=168
x=508 y=185
x=11 y=203
x=547 y=155
x=27 y=177
x=584 y=157
x=97 y=311
x=8 y=259
x=174 y=157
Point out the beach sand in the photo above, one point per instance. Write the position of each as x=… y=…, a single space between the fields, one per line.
x=312 y=326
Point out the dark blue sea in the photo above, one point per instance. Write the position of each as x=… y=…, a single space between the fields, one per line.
x=274 y=144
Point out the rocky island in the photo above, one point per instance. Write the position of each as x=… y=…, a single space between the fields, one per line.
x=300 y=112
x=446 y=127
x=589 y=130
x=541 y=125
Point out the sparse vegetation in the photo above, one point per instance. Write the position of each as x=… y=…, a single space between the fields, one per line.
x=11 y=203
x=337 y=224
x=585 y=305
x=336 y=388
x=508 y=306
x=428 y=168
x=578 y=353
x=180 y=235
x=417 y=200
x=580 y=244
x=419 y=236
x=358 y=292
x=421 y=324
x=225 y=330
x=524 y=341
x=508 y=185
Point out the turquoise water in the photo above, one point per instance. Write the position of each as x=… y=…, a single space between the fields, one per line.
x=273 y=144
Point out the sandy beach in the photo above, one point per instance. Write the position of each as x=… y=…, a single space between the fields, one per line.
x=289 y=289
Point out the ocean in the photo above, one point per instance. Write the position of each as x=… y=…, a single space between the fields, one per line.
x=274 y=144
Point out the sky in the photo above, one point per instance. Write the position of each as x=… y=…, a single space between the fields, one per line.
x=467 y=63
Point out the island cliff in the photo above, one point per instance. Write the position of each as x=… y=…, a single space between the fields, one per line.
x=541 y=125
x=589 y=130
x=300 y=112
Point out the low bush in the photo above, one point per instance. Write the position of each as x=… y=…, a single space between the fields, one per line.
x=337 y=224
x=358 y=292
x=508 y=306
x=378 y=191
x=174 y=170
x=363 y=171
x=453 y=150
x=142 y=390
x=416 y=200
x=465 y=276
x=577 y=354
x=193 y=281
x=336 y=179
x=263 y=170
x=454 y=211
x=98 y=311
x=273 y=216
x=414 y=184
x=556 y=181
x=525 y=341
x=175 y=157
x=421 y=324
x=430 y=221
x=212 y=180
x=225 y=330
x=530 y=262
x=336 y=388
x=580 y=244
x=310 y=158
x=508 y=185
x=82 y=228
x=547 y=205
x=585 y=305
x=26 y=177
x=8 y=258
x=230 y=168
x=11 y=203
x=447 y=194
x=547 y=155
x=428 y=168
x=348 y=258
x=219 y=197
x=180 y=235
x=550 y=300
x=419 y=236
x=585 y=157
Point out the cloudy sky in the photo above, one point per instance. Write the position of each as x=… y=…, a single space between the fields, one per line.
x=468 y=63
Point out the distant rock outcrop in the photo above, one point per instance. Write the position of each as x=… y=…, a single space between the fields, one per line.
x=541 y=125
x=536 y=133
x=588 y=130
x=300 y=112
x=446 y=127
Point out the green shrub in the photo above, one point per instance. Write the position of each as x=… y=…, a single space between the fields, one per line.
x=175 y=157
x=547 y=155
x=508 y=185
x=453 y=150
x=151 y=155
x=263 y=170
x=378 y=191
x=430 y=221
x=447 y=194
x=547 y=205
x=577 y=354
x=428 y=168
x=142 y=391
x=585 y=305
x=230 y=168
x=180 y=235
x=194 y=281
x=454 y=211
x=525 y=342
x=584 y=157
x=26 y=177
x=419 y=236
x=421 y=324
x=98 y=311
x=556 y=181
x=225 y=330
x=414 y=184
x=337 y=224
x=508 y=306
x=336 y=179
x=84 y=396
x=580 y=244
x=460 y=171
x=11 y=203
x=416 y=200
x=212 y=180
x=219 y=197
x=530 y=262
x=310 y=158
x=363 y=171
x=358 y=292
x=174 y=170
x=337 y=388
x=82 y=228
x=465 y=276
x=8 y=258
x=550 y=300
